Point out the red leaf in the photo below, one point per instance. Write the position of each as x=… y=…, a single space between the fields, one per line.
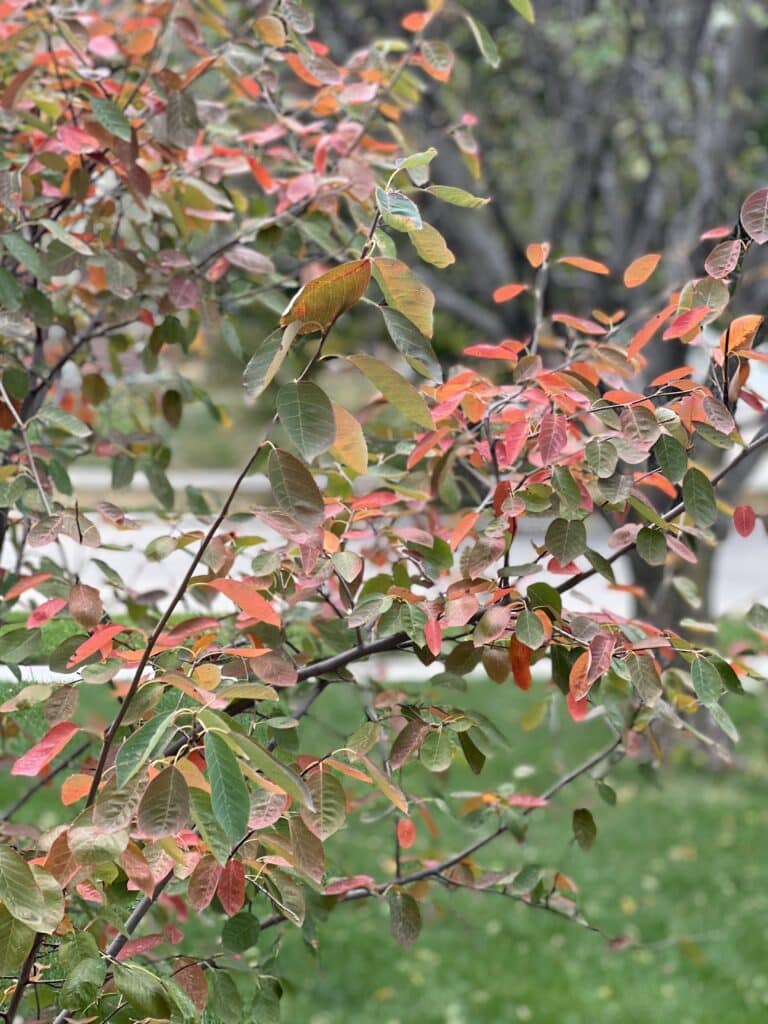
x=601 y=649
x=246 y=596
x=515 y=437
x=45 y=611
x=231 y=887
x=203 y=882
x=744 y=519
x=37 y=758
x=135 y=947
x=433 y=634
x=26 y=583
x=553 y=436
x=100 y=640
x=577 y=709
x=686 y=322
x=406 y=833
x=342 y=885
x=508 y=292
x=520 y=662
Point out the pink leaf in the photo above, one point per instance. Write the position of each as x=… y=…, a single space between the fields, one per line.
x=553 y=437
x=744 y=519
x=686 y=322
x=45 y=611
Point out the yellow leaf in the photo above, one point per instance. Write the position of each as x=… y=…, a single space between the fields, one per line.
x=322 y=301
x=349 y=445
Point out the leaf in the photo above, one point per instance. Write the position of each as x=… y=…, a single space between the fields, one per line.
x=247 y=597
x=436 y=752
x=644 y=677
x=578 y=323
x=754 y=216
x=723 y=259
x=85 y=605
x=294 y=489
x=143 y=990
x=404 y=917
x=412 y=344
x=525 y=9
x=23 y=898
x=520 y=663
x=686 y=323
x=322 y=301
x=111 y=117
x=330 y=803
x=405 y=292
x=203 y=882
x=651 y=546
x=139 y=746
x=671 y=457
x=15 y=942
x=582 y=263
x=485 y=44
x=38 y=757
x=579 y=683
x=349 y=444
x=384 y=784
x=492 y=624
x=584 y=828
x=397 y=210
x=65 y=237
x=395 y=389
x=274 y=770
x=699 y=497
x=431 y=246
x=27 y=255
x=416 y=160
x=566 y=539
x=640 y=270
x=509 y=291
x=744 y=520
x=229 y=794
x=267 y=359
x=307 y=416
x=706 y=681
x=164 y=808
x=529 y=630
x=457 y=196
x=553 y=436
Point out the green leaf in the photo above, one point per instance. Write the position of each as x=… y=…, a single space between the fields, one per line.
x=699 y=498
x=143 y=990
x=267 y=359
x=404 y=917
x=436 y=752
x=422 y=159
x=396 y=389
x=566 y=539
x=240 y=932
x=229 y=794
x=397 y=210
x=671 y=457
x=225 y=1000
x=330 y=803
x=24 y=900
x=27 y=255
x=211 y=832
x=529 y=630
x=164 y=808
x=139 y=746
x=15 y=942
x=644 y=677
x=484 y=40
x=431 y=246
x=274 y=770
x=543 y=595
x=306 y=414
x=651 y=546
x=602 y=457
x=706 y=681
x=55 y=417
x=83 y=984
x=159 y=484
x=566 y=487
x=474 y=757
x=724 y=720
x=10 y=293
x=111 y=117
x=405 y=292
x=584 y=828
x=71 y=241
x=412 y=344
x=457 y=196
x=295 y=490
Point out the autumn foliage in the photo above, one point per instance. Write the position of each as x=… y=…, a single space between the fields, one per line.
x=172 y=173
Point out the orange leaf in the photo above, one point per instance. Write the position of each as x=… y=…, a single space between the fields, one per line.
x=582 y=263
x=248 y=599
x=462 y=528
x=579 y=683
x=26 y=583
x=100 y=640
x=75 y=788
x=406 y=833
x=509 y=291
x=416 y=21
x=537 y=253
x=433 y=634
x=640 y=270
x=520 y=662
x=578 y=323
x=740 y=333
x=648 y=330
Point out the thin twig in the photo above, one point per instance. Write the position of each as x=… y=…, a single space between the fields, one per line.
x=20 y=424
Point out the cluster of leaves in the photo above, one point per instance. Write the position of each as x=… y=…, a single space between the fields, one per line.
x=165 y=164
